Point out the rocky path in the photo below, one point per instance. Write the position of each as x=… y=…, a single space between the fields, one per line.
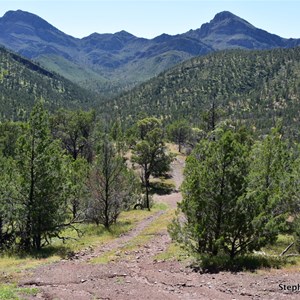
x=139 y=275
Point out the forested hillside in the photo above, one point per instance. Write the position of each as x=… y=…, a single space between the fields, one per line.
x=255 y=87
x=22 y=82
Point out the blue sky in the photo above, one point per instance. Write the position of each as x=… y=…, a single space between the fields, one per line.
x=148 y=19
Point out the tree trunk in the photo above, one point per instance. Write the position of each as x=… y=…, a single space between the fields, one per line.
x=179 y=147
x=147 y=184
x=25 y=239
x=37 y=241
x=1 y=233
x=74 y=210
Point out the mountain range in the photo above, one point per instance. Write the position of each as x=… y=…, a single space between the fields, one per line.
x=112 y=63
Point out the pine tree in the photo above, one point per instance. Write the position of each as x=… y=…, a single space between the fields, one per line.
x=150 y=153
x=179 y=132
x=77 y=190
x=41 y=183
x=74 y=129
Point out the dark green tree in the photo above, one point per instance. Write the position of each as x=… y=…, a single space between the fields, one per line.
x=179 y=132
x=235 y=201
x=117 y=136
x=74 y=129
x=150 y=153
x=9 y=134
x=146 y=125
x=215 y=180
x=77 y=173
x=41 y=183
x=269 y=188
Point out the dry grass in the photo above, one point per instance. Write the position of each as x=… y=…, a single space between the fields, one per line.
x=173 y=148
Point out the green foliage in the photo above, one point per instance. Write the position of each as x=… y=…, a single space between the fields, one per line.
x=23 y=82
x=77 y=174
x=41 y=184
x=240 y=263
x=255 y=87
x=147 y=125
x=296 y=232
x=150 y=153
x=11 y=292
x=9 y=134
x=117 y=135
x=268 y=196
x=8 y=207
x=235 y=200
x=179 y=132
x=109 y=185
x=74 y=129
x=215 y=181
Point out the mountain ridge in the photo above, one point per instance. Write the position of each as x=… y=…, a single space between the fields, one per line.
x=113 y=62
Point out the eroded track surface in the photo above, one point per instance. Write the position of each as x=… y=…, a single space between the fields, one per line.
x=137 y=274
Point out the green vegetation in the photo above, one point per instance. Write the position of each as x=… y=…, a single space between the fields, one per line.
x=150 y=154
x=239 y=263
x=237 y=197
x=45 y=189
x=128 y=250
x=41 y=176
x=112 y=186
x=251 y=87
x=215 y=182
x=11 y=292
x=13 y=265
x=62 y=173
x=74 y=129
x=179 y=132
x=23 y=83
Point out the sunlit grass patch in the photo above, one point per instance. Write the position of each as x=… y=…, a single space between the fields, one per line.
x=173 y=148
x=160 y=206
x=282 y=242
x=12 y=266
x=173 y=252
x=11 y=292
x=93 y=235
x=290 y=259
x=158 y=226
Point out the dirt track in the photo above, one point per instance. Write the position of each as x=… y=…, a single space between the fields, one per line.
x=138 y=275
